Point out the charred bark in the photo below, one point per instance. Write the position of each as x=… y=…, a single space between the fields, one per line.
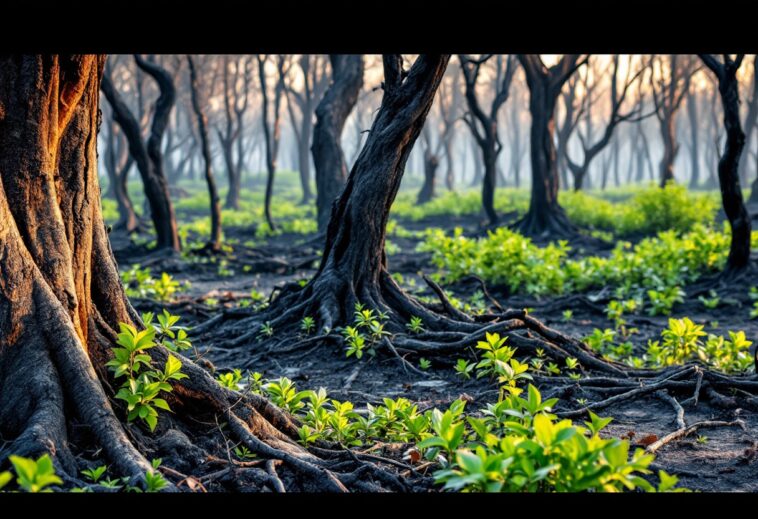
x=728 y=169
x=545 y=216
x=331 y=114
x=483 y=125
x=214 y=243
x=147 y=155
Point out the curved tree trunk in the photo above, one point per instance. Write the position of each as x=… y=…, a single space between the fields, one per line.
x=431 y=162
x=331 y=114
x=728 y=168
x=147 y=156
x=214 y=243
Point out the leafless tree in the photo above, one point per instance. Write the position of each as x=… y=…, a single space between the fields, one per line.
x=483 y=125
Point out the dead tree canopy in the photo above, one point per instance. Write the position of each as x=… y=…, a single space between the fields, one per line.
x=483 y=125
x=669 y=85
x=331 y=114
x=617 y=98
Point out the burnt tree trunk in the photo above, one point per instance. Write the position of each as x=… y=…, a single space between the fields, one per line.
x=483 y=125
x=729 y=179
x=119 y=163
x=751 y=118
x=214 y=243
x=431 y=162
x=271 y=131
x=331 y=114
x=670 y=150
x=147 y=156
x=545 y=216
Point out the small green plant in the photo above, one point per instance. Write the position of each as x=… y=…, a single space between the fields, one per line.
x=702 y=439
x=244 y=453
x=231 y=380
x=416 y=325
x=464 y=368
x=154 y=481
x=710 y=302
x=95 y=474
x=567 y=315
x=663 y=301
x=143 y=384
x=424 y=363
x=34 y=475
x=266 y=330
x=284 y=394
x=307 y=325
x=165 y=287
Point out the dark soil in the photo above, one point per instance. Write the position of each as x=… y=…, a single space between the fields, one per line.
x=726 y=461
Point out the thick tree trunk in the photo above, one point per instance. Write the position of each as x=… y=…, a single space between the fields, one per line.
x=331 y=114
x=148 y=159
x=545 y=215
x=214 y=242
x=431 y=162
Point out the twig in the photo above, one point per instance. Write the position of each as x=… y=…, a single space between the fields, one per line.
x=681 y=433
x=403 y=362
x=664 y=395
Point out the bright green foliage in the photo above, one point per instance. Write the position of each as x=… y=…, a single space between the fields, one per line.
x=33 y=476
x=682 y=341
x=424 y=363
x=464 y=368
x=231 y=380
x=567 y=315
x=154 y=481
x=140 y=283
x=710 y=302
x=416 y=325
x=244 y=453
x=367 y=331
x=95 y=474
x=266 y=330
x=651 y=272
x=167 y=332
x=520 y=447
x=498 y=361
x=307 y=325
x=143 y=384
x=284 y=394
x=5 y=478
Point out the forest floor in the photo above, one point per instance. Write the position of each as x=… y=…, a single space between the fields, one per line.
x=714 y=459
